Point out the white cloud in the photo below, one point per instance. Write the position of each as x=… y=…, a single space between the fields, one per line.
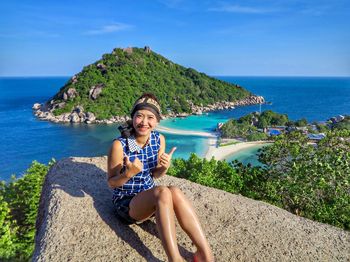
x=241 y=9
x=107 y=29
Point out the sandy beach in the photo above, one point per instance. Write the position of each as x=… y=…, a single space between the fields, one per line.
x=220 y=153
x=185 y=132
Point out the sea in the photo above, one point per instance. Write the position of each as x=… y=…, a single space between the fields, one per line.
x=24 y=138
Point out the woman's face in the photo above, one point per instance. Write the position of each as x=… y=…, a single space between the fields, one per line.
x=144 y=122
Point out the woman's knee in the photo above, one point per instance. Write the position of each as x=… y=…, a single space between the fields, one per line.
x=163 y=195
x=176 y=193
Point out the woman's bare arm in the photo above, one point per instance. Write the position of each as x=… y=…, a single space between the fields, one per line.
x=115 y=165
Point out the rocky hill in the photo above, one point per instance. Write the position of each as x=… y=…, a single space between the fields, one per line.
x=106 y=89
x=76 y=222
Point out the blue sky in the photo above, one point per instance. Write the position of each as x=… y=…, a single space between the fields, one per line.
x=251 y=37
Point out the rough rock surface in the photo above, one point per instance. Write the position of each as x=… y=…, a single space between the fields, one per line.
x=76 y=222
x=70 y=94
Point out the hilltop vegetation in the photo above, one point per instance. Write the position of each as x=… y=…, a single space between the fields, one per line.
x=109 y=86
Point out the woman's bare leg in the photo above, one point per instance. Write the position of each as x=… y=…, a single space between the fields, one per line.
x=158 y=200
x=190 y=224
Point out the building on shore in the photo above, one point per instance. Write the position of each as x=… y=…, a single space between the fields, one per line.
x=316 y=137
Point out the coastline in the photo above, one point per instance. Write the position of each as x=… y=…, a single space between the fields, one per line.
x=220 y=153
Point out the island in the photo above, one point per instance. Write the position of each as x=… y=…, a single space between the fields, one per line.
x=104 y=91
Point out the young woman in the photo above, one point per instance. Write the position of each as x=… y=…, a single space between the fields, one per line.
x=134 y=161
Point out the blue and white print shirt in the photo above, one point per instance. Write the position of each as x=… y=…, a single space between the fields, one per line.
x=149 y=158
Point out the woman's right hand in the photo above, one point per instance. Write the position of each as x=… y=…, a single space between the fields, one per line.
x=132 y=168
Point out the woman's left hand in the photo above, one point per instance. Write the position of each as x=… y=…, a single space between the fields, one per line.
x=165 y=159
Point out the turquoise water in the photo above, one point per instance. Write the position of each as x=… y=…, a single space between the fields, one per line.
x=206 y=122
x=24 y=138
x=185 y=145
x=249 y=155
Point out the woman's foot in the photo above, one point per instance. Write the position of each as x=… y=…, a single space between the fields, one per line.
x=203 y=257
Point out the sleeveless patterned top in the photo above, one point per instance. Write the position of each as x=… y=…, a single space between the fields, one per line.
x=149 y=158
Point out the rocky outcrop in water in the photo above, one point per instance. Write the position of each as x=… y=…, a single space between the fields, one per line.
x=251 y=100
x=45 y=112
x=76 y=222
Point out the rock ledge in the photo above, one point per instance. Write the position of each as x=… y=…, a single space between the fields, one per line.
x=76 y=223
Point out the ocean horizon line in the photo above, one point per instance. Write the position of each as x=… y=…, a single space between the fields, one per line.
x=257 y=76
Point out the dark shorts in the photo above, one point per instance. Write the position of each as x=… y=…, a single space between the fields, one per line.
x=122 y=210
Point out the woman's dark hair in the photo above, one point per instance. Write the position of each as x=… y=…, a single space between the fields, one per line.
x=126 y=129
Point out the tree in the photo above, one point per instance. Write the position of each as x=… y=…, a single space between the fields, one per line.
x=301 y=122
x=313 y=181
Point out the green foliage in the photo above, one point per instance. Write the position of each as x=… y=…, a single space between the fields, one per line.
x=233 y=128
x=300 y=122
x=8 y=230
x=218 y=174
x=313 y=181
x=270 y=118
x=19 y=206
x=125 y=76
x=234 y=178
x=322 y=128
x=247 y=126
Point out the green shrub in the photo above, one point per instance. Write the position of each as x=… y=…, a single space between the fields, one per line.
x=8 y=230
x=19 y=207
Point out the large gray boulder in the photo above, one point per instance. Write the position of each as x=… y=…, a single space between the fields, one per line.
x=70 y=94
x=76 y=222
x=95 y=91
